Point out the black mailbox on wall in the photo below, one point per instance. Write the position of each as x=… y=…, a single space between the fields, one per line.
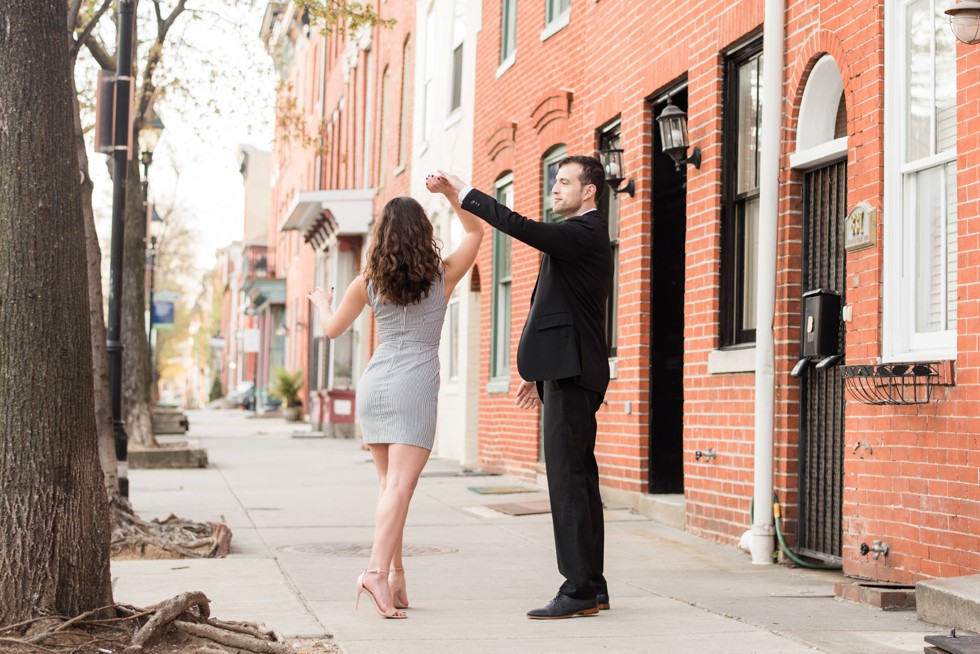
x=821 y=324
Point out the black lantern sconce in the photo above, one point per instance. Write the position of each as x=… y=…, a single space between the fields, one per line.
x=964 y=21
x=612 y=164
x=673 y=137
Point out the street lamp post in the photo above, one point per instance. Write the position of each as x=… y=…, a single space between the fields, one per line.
x=151 y=252
x=149 y=136
x=120 y=156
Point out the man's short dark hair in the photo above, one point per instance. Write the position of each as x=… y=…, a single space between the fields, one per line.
x=592 y=173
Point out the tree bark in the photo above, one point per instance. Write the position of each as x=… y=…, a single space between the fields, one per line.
x=100 y=356
x=136 y=359
x=54 y=518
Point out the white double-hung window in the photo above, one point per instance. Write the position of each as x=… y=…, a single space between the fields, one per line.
x=919 y=211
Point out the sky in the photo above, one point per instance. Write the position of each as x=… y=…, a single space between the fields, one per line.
x=224 y=98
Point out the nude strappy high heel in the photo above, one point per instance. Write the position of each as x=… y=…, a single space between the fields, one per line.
x=361 y=588
x=399 y=597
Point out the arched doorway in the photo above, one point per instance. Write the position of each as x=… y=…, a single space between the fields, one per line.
x=821 y=155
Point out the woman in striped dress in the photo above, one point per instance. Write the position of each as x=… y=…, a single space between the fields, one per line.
x=407 y=284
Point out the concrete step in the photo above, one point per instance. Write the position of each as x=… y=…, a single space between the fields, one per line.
x=951 y=602
x=665 y=509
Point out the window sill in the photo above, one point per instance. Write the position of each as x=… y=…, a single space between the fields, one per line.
x=507 y=63
x=557 y=24
x=498 y=386
x=398 y=171
x=722 y=362
x=453 y=118
x=914 y=356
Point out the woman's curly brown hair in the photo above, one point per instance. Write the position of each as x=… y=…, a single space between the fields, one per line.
x=404 y=259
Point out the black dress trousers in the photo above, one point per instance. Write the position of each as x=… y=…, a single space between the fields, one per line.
x=569 y=426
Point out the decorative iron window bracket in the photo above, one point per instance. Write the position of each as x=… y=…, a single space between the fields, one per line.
x=897 y=383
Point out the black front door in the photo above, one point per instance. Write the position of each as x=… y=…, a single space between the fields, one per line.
x=667 y=267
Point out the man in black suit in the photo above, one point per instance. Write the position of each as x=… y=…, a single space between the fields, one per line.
x=563 y=356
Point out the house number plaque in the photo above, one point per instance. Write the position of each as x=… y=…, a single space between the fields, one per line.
x=859 y=227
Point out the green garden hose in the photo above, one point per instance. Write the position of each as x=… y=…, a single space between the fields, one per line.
x=776 y=514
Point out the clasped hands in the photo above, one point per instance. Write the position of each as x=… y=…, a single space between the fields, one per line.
x=443 y=182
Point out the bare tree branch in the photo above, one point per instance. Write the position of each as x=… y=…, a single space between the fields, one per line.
x=148 y=90
x=87 y=31
x=99 y=52
x=73 y=9
x=171 y=18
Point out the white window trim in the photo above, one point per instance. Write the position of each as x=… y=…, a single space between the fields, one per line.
x=819 y=155
x=454 y=117
x=732 y=360
x=558 y=23
x=899 y=341
x=507 y=63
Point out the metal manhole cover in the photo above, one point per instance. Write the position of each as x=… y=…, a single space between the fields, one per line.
x=363 y=549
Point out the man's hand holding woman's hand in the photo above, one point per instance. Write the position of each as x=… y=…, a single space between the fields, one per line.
x=527 y=395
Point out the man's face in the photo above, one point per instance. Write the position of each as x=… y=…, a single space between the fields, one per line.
x=568 y=192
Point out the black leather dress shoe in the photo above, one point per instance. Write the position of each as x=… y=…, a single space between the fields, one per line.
x=564 y=606
x=603 y=600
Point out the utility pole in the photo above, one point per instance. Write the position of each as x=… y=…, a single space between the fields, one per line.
x=122 y=133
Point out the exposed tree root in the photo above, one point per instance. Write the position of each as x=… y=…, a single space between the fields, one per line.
x=180 y=624
x=167 y=612
x=232 y=639
x=173 y=538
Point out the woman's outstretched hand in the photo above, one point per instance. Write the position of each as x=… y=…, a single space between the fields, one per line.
x=321 y=298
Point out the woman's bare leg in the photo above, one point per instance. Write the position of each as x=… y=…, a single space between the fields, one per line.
x=404 y=465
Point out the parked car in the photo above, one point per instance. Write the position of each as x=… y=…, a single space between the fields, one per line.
x=244 y=395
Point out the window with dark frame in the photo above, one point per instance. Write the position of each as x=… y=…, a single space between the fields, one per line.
x=508 y=29
x=405 y=101
x=385 y=119
x=459 y=35
x=549 y=177
x=554 y=9
x=740 y=194
x=456 y=98
x=501 y=300
x=609 y=207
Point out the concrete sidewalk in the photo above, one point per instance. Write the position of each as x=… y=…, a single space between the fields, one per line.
x=302 y=511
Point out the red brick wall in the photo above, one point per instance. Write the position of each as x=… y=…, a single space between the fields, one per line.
x=395 y=180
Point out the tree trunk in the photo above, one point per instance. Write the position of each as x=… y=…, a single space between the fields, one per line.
x=54 y=518
x=100 y=356
x=136 y=358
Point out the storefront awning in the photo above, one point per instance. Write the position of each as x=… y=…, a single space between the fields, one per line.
x=264 y=292
x=321 y=215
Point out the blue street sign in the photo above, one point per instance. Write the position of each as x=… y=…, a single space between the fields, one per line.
x=163 y=313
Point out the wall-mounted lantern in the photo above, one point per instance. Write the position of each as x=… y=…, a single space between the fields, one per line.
x=964 y=21
x=612 y=164
x=673 y=136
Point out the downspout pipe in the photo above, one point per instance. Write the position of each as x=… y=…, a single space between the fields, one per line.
x=762 y=545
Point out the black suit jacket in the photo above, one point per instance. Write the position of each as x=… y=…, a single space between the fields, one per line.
x=564 y=335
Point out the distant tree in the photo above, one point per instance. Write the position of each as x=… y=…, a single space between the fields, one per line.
x=216 y=392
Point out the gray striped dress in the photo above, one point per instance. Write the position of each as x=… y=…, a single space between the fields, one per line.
x=398 y=392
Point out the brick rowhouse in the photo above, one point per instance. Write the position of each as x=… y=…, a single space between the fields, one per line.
x=910 y=472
